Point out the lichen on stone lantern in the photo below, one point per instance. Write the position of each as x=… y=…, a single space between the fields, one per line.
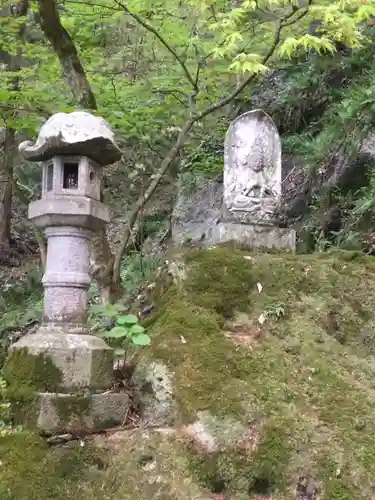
x=73 y=147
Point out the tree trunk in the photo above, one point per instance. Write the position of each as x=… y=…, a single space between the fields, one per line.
x=12 y=62
x=101 y=268
x=66 y=51
x=6 y=181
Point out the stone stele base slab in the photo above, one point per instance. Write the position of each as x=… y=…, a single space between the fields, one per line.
x=255 y=235
x=69 y=413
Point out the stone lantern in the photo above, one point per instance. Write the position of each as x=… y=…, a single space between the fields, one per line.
x=73 y=147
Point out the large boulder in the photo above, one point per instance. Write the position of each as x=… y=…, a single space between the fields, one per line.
x=197 y=209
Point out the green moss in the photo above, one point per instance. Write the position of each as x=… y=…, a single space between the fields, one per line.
x=36 y=371
x=308 y=389
x=234 y=471
x=308 y=370
x=218 y=357
x=31 y=470
x=220 y=281
x=27 y=375
x=336 y=485
x=221 y=472
x=72 y=407
x=338 y=490
x=271 y=460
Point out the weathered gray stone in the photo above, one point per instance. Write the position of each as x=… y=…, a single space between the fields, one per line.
x=85 y=361
x=61 y=413
x=252 y=186
x=80 y=212
x=73 y=147
x=262 y=236
x=77 y=133
x=154 y=387
x=70 y=209
x=198 y=208
x=242 y=204
x=214 y=435
x=252 y=166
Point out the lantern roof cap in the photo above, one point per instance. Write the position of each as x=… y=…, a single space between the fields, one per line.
x=79 y=133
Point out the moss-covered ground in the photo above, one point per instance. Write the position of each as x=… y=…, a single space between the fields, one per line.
x=297 y=357
x=284 y=345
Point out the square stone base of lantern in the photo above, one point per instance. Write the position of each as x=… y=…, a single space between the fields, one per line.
x=81 y=361
x=74 y=413
x=254 y=235
x=61 y=382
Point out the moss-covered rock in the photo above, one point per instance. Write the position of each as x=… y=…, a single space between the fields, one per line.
x=307 y=374
x=26 y=375
x=23 y=368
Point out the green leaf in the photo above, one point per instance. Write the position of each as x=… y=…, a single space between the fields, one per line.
x=98 y=309
x=104 y=310
x=136 y=330
x=118 y=332
x=119 y=307
x=141 y=339
x=111 y=311
x=127 y=320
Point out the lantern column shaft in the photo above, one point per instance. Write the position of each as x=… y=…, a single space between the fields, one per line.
x=66 y=280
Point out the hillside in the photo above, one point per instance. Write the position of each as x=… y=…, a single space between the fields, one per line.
x=258 y=381
x=271 y=357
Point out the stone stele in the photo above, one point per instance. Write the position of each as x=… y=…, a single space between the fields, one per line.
x=80 y=396
x=252 y=184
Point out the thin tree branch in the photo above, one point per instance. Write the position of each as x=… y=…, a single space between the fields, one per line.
x=279 y=26
x=162 y=40
x=92 y=4
x=142 y=200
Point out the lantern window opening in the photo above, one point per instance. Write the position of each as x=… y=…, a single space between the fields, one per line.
x=49 y=179
x=70 y=175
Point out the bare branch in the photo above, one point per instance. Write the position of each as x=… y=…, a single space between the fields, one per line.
x=162 y=40
x=142 y=200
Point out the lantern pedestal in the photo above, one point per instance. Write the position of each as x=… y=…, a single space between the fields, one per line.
x=67 y=379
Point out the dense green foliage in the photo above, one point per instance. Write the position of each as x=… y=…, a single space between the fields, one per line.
x=152 y=67
x=147 y=81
